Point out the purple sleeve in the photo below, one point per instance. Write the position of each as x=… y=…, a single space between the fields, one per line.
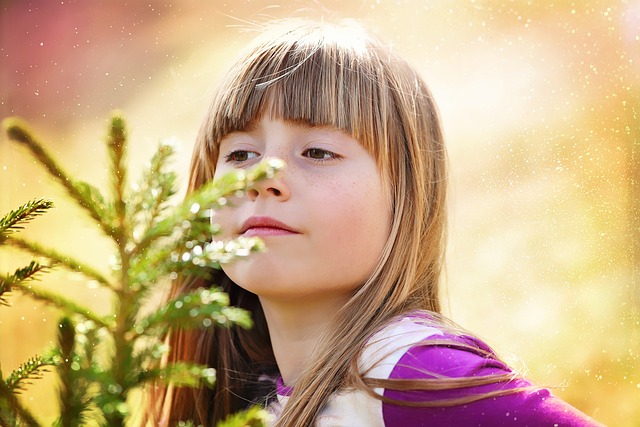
x=531 y=407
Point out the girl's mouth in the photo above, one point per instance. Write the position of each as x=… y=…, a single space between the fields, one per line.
x=260 y=225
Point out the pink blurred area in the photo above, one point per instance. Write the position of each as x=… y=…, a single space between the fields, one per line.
x=540 y=106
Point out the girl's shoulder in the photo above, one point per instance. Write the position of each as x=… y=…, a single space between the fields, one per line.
x=433 y=373
x=414 y=333
x=425 y=334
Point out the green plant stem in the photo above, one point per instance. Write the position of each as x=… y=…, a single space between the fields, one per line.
x=123 y=350
x=66 y=342
x=116 y=141
x=125 y=301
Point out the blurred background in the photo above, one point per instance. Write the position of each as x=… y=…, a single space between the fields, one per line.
x=540 y=105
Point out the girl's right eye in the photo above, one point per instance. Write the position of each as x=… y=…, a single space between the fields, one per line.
x=240 y=156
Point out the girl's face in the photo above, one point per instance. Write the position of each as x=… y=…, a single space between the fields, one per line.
x=324 y=219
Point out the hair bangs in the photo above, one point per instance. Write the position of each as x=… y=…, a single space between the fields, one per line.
x=308 y=80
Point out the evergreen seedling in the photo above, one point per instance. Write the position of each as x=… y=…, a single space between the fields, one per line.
x=101 y=359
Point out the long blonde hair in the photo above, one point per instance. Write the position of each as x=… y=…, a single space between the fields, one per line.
x=336 y=75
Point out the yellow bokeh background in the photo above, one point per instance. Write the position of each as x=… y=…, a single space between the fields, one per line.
x=540 y=103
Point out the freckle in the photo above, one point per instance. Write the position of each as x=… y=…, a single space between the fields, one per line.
x=317 y=181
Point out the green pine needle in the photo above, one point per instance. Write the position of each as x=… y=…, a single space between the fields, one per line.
x=20 y=275
x=14 y=220
x=27 y=272
x=31 y=369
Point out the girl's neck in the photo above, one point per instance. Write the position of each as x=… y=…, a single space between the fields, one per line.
x=295 y=327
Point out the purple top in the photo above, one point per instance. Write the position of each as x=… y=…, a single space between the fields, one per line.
x=410 y=348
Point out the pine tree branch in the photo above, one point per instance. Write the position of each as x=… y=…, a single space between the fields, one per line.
x=16 y=408
x=13 y=220
x=74 y=398
x=63 y=303
x=27 y=272
x=200 y=308
x=66 y=342
x=116 y=145
x=86 y=195
x=156 y=187
x=181 y=374
x=21 y=377
x=58 y=258
x=193 y=257
x=212 y=195
x=20 y=275
x=212 y=254
x=31 y=369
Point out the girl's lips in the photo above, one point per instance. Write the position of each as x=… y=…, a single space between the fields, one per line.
x=261 y=225
x=266 y=231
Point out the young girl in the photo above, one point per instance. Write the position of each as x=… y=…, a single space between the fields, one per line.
x=345 y=299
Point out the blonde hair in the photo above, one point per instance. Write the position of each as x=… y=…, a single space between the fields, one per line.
x=340 y=76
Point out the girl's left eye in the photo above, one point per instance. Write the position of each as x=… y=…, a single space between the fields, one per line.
x=319 y=154
x=239 y=156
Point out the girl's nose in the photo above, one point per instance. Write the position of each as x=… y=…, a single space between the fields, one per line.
x=270 y=187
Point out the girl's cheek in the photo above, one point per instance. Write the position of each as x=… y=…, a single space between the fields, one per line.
x=223 y=217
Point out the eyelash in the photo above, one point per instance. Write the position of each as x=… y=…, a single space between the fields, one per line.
x=229 y=158
x=332 y=155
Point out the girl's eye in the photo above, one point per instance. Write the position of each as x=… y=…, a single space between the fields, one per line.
x=319 y=154
x=239 y=156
